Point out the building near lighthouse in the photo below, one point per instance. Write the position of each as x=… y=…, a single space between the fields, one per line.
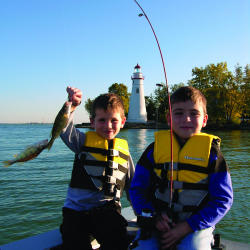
x=137 y=108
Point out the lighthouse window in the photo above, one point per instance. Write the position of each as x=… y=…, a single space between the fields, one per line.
x=137 y=91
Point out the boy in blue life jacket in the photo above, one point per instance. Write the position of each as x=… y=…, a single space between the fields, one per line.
x=202 y=190
x=102 y=168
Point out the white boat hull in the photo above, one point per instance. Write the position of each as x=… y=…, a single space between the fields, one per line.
x=52 y=238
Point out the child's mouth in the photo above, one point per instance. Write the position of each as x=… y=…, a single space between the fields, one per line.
x=186 y=128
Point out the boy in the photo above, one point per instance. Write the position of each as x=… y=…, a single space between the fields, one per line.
x=202 y=190
x=102 y=168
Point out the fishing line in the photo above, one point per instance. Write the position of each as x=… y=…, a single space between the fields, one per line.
x=169 y=103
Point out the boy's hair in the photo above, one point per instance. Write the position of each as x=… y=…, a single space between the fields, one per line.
x=189 y=93
x=108 y=101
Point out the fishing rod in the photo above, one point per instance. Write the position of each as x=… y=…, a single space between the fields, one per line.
x=169 y=104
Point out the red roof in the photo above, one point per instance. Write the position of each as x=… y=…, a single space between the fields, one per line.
x=137 y=66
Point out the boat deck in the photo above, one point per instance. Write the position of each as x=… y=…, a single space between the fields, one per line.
x=51 y=239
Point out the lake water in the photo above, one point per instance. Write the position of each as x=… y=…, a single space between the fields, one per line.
x=32 y=193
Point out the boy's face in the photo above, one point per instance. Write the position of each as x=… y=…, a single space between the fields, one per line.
x=108 y=123
x=188 y=118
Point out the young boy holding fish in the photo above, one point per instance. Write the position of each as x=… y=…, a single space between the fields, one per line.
x=102 y=168
x=185 y=215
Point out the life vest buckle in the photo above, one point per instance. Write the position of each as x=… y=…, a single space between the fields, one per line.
x=113 y=165
x=113 y=152
x=117 y=194
x=111 y=179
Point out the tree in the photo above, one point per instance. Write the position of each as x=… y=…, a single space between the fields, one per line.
x=220 y=88
x=176 y=86
x=88 y=105
x=121 y=90
x=157 y=104
x=150 y=107
x=161 y=100
x=245 y=92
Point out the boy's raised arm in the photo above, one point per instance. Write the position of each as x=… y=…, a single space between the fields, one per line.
x=70 y=135
x=74 y=96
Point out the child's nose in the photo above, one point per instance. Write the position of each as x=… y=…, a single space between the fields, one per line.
x=109 y=124
x=187 y=118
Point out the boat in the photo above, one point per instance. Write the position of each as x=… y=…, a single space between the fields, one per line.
x=52 y=240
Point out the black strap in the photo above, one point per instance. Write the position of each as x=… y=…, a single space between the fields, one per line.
x=183 y=166
x=185 y=185
x=195 y=186
x=94 y=150
x=102 y=151
x=163 y=181
x=190 y=167
x=104 y=164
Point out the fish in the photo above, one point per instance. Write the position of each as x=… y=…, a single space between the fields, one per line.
x=60 y=122
x=29 y=153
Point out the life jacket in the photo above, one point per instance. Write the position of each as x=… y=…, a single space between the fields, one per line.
x=101 y=165
x=190 y=173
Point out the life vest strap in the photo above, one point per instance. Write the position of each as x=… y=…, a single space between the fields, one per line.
x=109 y=164
x=166 y=166
x=195 y=186
x=183 y=185
x=189 y=167
x=105 y=152
x=181 y=166
x=180 y=208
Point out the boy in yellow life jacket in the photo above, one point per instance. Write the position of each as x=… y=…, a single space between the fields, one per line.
x=102 y=169
x=202 y=190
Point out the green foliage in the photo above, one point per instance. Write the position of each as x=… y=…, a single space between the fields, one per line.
x=150 y=107
x=176 y=86
x=121 y=90
x=88 y=105
x=161 y=102
x=157 y=104
x=245 y=90
x=226 y=92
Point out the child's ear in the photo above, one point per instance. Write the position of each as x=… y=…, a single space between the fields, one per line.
x=123 y=121
x=204 y=123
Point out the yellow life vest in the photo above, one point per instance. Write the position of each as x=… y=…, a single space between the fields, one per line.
x=190 y=173
x=103 y=162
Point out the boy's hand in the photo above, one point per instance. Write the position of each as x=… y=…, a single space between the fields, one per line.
x=74 y=96
x=163 y=223
x=172 y=236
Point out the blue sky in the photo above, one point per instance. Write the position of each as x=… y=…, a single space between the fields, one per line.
x=47 y=45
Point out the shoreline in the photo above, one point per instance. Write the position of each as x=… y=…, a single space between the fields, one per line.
x=154 y=125
x=148 y=125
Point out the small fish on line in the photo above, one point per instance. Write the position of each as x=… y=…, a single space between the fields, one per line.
x=60 y=122
x=29 y=153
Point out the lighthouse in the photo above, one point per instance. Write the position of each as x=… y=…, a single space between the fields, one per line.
x=137 y=109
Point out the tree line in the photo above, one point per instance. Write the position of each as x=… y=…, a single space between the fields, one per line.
x=227 y=93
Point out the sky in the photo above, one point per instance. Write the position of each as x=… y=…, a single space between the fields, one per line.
x=47 y=45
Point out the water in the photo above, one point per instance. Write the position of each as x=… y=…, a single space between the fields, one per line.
x=32 y=193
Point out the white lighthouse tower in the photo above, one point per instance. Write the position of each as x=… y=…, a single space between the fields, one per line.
x=137 y=109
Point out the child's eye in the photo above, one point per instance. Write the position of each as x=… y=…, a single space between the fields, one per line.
x=101 y=120
x=114 y=120
x=195 y=113
x=178 y=113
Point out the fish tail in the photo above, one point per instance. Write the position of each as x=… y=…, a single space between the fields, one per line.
x=7 y=163
x=50 y=143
